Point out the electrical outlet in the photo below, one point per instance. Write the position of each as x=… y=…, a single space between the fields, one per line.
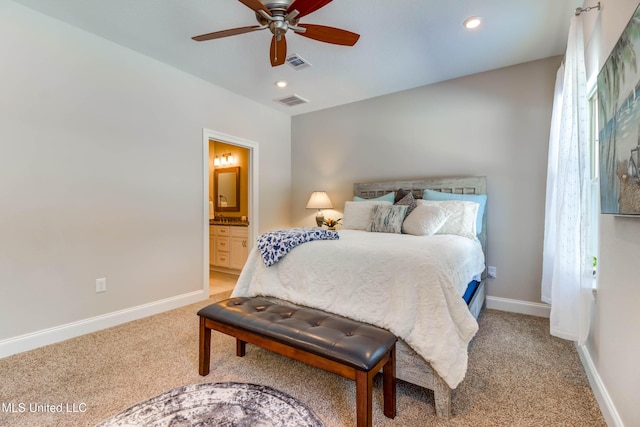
x=491 y=272
x=101 y=285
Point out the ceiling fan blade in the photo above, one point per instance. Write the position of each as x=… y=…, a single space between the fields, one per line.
x=306 y=7
x=329 y=34
x=255 y=5
x=227 y=33
x=278 y=51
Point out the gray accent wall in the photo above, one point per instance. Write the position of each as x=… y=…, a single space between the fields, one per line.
x=493 y=124
x=102 y=174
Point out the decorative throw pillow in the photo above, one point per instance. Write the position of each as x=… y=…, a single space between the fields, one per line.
x=481 y=199
x=389 y=197
x=462 y=220
x=399 y=195
x=407 y=200
x=358 y=214
x=387 y=219
x=425 y=220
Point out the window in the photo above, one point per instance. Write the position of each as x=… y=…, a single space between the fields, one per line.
x=593 y=136
x=594 y=189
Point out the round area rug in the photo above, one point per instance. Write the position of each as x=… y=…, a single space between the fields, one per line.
x=218 y=404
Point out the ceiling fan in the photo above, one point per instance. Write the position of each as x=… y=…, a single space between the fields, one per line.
x=279 y=16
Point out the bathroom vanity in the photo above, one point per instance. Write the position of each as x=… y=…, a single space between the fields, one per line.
x=228 y=245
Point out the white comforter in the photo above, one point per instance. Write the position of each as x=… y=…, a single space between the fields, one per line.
x=409 y=285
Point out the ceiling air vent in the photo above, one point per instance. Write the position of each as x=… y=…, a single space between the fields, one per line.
x=296 y=62
x=291 y=101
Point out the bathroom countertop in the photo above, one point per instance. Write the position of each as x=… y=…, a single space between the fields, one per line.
x=231 y=222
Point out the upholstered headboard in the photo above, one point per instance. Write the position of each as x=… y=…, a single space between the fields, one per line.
x=456 y=185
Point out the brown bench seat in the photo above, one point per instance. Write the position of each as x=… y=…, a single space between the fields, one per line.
x=336 y=344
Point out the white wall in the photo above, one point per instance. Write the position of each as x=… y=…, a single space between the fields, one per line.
x=613 y=344
x=101 y=173
x=493 y=124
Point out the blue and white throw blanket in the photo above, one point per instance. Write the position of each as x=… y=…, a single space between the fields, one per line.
x=274 y=245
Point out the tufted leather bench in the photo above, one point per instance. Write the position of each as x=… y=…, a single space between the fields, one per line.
x=354 y=350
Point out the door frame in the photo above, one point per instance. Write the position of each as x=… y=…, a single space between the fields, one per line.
x=252 y=211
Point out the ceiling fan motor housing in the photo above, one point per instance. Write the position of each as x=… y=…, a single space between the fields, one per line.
x=277 y=4
x=278 y=22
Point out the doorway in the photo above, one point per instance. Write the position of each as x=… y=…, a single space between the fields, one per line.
x=223 y=155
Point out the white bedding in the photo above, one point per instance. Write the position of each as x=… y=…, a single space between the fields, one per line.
x=409 y=285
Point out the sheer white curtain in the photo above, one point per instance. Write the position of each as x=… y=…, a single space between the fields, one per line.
x=566 y=265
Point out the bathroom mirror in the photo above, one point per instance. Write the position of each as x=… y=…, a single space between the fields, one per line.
x=226 y=189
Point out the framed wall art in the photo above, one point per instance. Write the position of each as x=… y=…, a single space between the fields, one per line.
x=619 y=124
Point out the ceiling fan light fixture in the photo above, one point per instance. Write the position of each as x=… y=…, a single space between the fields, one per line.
x=472 y=22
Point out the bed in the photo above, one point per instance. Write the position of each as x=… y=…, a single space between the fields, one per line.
x=412 y=287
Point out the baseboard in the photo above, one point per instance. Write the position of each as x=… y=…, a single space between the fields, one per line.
x=607 y=407
x=71 y=330
x=517 y=306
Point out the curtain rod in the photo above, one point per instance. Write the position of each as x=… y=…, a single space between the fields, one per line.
x=579 y=10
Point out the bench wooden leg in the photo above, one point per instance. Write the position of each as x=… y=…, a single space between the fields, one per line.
x=205 y=347
x=241 y=348
x=389 y=384
x=364 y=406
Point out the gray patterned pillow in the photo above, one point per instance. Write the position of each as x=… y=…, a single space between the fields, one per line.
x=399 y=195
x=387 y=219
x=408 y=200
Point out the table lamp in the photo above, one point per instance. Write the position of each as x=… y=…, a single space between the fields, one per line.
x=319 y=200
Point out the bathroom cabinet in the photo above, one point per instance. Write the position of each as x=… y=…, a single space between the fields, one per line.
x=228 y=246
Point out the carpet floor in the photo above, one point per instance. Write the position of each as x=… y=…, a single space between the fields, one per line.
x=518 y=376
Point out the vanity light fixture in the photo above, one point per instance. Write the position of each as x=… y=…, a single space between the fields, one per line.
x=472 y=22
x=319 y=200
x=224 y=160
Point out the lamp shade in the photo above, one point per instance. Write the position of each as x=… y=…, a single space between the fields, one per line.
x=319 y=200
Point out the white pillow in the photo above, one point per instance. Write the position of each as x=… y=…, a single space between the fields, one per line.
x=425 y=220
x=462 y=220
x=357 y=215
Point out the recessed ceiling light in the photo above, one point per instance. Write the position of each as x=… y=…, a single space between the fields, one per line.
x=281 y=83
x=471 y=23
